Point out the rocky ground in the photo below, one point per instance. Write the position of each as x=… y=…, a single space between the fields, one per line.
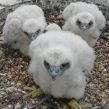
x=14 y=77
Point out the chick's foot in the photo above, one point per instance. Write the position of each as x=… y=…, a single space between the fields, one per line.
x=35 y=92
x=74 y=105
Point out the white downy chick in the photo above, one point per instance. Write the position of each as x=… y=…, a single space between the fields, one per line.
x=22 y=26
x=60 y=62
x=75 y=10
x=83 y=24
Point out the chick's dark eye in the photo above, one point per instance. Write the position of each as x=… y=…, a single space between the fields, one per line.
x=78 y=22
x=90 y=23
x=38 y=31
x=65 y=65
x=15 y=42
x=46 y=64
x=26 y=33
x=45 y=31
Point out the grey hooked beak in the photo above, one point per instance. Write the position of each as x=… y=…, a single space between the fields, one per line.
x=33 y=36
x=55 y=71
x=84 y=26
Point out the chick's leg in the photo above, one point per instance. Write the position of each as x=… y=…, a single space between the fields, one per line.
x=74 y=105
x=35 y=92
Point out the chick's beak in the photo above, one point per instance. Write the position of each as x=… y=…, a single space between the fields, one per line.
x=55 y=71
x=84 y=26
x=33 y=35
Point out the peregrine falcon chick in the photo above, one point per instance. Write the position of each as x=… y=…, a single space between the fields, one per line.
x=60 y=62
x=22 y=26
x=76 y=10
x=84 y=24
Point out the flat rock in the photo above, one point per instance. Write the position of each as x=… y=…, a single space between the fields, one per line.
x=11 y=2
x=10 y=5
x=101 y=2
x=8 y=2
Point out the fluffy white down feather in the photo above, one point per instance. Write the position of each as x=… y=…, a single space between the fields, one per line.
x=90 y=35
x=75 y=11
x=52 y=26
x=27 y=18
x=59 y=47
